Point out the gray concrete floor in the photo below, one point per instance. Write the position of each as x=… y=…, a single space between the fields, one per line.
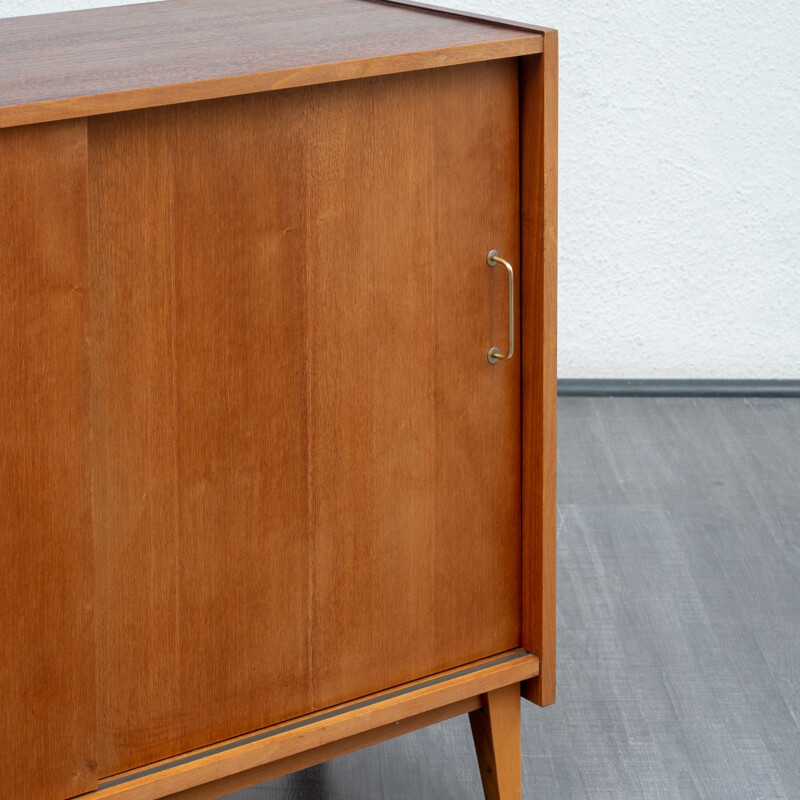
x=679 y=620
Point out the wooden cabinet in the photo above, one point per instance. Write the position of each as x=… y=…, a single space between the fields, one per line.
x=265 y=499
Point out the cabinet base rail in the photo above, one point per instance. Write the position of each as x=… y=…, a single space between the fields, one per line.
x=488 y=689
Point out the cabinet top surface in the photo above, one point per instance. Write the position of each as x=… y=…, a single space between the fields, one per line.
x=79 y=63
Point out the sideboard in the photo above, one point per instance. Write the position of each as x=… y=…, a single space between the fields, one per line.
x=278 y=396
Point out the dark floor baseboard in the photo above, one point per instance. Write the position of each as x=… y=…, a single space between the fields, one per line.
x=606 y=387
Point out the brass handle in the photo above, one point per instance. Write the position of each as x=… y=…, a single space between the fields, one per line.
x=492 y=258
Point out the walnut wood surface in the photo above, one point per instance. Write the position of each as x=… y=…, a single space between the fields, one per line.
x=200 y=423
x=414 y=436
x=350 y=726
x=46 y=636
x=306 y=471
x=97 y=61
x=496 y=734
x=263 y=465
x=539 y=165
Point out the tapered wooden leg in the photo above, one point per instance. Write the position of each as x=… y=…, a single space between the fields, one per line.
x=496 y=731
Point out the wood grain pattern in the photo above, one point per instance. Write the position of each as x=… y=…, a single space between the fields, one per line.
x=263 y=465
x=200 y=445
x=292 y=313
x=402 y=311
x=539 y=175
x=496 y=734
x=177 y=51
x=355 y=727
x=47 y=662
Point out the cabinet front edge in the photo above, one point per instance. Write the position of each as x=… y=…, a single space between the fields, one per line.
x=61 y=108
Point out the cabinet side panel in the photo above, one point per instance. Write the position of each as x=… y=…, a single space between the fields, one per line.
x=539 y=171
x=199 y=375
x=47 y=663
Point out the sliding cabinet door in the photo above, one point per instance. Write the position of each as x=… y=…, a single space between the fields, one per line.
x=306 y=471
x=414 y=437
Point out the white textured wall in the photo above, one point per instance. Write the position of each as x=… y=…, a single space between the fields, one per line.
x=680 y=183
x=20 y=8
